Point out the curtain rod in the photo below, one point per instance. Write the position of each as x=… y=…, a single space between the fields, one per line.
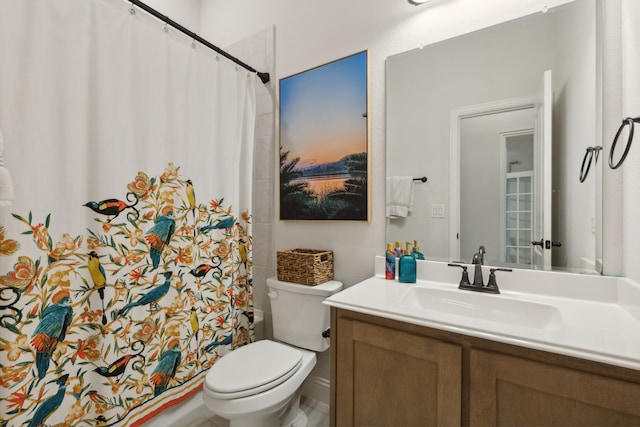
x=263 y=76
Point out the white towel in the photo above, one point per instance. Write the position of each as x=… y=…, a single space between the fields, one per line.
x=399 y=196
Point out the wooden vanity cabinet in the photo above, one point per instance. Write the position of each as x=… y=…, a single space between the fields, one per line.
x=390 y=373
x=513 y=391
x=390 y=377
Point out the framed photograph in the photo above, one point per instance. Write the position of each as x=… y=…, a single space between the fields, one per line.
x=324 y=142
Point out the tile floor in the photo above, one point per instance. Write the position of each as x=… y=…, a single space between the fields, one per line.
x=317 y=414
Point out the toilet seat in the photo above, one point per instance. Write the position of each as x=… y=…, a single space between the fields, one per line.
x=252 y=369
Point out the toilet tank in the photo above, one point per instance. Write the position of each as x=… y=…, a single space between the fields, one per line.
x=299 y=317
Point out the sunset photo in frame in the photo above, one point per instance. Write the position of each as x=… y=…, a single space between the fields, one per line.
x=324 y=142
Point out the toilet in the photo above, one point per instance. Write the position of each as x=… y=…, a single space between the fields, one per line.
x=260 y=383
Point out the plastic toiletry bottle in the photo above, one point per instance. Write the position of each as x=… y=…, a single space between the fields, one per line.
x=390 y=263
x=407 y=272
x=416 y=251
x=398 y=250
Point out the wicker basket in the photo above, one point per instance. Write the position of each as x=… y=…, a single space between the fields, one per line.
x=305 y=266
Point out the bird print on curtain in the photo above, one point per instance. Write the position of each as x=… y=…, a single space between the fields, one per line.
x=136 y=309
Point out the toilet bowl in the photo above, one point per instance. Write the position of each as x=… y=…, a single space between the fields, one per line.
x=260 y=393
x=260 y=383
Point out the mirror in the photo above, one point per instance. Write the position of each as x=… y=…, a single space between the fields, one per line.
x=489 y=181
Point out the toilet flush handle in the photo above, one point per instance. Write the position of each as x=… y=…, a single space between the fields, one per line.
x=273 y=294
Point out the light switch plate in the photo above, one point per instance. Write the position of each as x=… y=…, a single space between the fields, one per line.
x=438 y=211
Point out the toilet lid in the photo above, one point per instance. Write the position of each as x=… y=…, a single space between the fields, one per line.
x=253 y=368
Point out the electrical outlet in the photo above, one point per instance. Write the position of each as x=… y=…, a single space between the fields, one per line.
x=438 y=211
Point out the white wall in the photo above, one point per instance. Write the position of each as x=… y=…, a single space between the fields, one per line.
x=572 y=134
x=631 y=108
x=612 y=226
x=621 y=98
x=184 y=12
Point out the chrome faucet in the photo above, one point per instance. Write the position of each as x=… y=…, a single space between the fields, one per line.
x=478 y=284
x=477 y=274
x=481 y=252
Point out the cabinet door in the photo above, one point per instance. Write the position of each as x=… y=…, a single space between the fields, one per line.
x=387 y=377
x=507 y=390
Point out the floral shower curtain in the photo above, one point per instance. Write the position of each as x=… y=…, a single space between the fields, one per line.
x=125 y=260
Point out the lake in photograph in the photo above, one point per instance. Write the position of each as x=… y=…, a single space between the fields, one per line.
x=323 y=185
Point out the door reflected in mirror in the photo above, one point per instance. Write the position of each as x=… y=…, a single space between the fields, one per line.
x=489 y=171
x=496 y=177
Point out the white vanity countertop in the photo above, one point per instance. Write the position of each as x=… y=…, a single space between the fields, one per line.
x=591 y=317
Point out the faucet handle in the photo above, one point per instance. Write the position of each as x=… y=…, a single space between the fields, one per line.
x=481 y=252
x=464 y=280
x=493 y=284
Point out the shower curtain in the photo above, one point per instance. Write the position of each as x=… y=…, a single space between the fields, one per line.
x=125 y=260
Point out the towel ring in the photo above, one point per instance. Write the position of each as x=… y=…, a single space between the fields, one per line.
x=630 y=122
x=591 y=154
x=583 y=172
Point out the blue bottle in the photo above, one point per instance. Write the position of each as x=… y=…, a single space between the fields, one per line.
x=407 y=266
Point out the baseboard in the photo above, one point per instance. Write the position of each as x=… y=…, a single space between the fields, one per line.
x=316 y=388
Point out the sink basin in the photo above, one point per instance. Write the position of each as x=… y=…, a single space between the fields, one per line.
x=476 y=305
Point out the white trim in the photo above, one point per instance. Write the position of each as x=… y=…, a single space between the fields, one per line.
x=317 y=388
x=506 y=105
x=503 y=195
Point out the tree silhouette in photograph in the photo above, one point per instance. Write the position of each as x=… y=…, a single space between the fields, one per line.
x=350 y=203
x=295 y=196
